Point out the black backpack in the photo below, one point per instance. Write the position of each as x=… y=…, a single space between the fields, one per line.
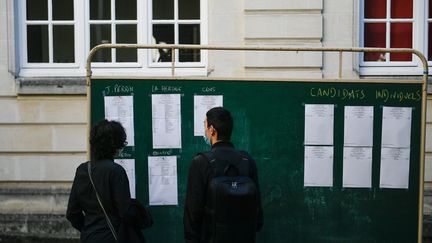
x=232 y=200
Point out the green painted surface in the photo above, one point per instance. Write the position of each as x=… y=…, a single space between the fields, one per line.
x=269 y=123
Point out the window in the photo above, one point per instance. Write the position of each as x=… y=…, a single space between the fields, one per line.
x=56 y=36
x=176 y=22
x=393 y=24
x=49 y=27
x=113 y=21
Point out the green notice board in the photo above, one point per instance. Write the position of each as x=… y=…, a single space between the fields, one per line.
x=269 y=123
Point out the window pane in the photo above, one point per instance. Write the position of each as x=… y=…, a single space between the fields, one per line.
x=63 y=44
x=163 y=34
x=401 y=37
x=375 y=9
x=430 y=42
x=401 y=9
x=430 y=8
x=126 y=34
x=62 y=10
x=163 y=9
x=189 y=34
x=126 y=9
x=100 y=9
x=37 y=9
x=100 y=34
x=37 y=43
x=375 y=36
x=189 y=9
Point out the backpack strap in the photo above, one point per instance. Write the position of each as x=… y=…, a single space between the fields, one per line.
x=211 y=158
x=209 y=155
x=244 y=164
x=241 y=164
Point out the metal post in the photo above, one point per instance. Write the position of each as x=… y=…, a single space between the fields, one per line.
x=422 y=145
x=340 y=64
x=172 y=62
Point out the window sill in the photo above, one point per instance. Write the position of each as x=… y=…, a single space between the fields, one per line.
x=51 y=85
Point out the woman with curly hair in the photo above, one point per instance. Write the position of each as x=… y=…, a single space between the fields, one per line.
x=107 y=139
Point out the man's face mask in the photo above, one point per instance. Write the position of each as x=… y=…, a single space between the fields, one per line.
x=206 y=139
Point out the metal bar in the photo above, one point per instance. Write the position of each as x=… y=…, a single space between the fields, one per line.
x=295 y=80
x=250 y=48
x=172 y=62
x=256 y=48
x=88 y=91
x=422 y=147
x=340 y=64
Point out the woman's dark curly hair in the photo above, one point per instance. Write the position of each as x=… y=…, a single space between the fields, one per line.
x=106 y=138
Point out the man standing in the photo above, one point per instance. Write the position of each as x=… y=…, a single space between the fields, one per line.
x=223 y=201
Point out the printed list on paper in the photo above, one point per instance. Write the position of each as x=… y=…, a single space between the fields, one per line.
x=357 y=167
x=162 y=171
x=319 y=121
x=396 y=127
x=394 y=172
x=358 y=126
x=129 y=166
x=203 y=103
x=120 y=108
x=318 y=166
x=166 y=121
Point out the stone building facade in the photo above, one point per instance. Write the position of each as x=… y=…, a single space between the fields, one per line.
x=43 y=116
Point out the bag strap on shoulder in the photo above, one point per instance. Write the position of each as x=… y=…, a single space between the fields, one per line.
x=100 y=203
x=209 y=155
x=241 y=164
x=244 y=163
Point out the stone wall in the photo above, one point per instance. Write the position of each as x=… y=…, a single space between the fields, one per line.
x=273 y=23
x=35 y=212
x=43 y=137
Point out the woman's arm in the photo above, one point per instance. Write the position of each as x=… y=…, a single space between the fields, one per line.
x=74 y=212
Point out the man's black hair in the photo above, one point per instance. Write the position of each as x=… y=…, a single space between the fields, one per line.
x=221 y=120
x=106 y=138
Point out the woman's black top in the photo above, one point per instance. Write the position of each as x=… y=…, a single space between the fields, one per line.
x=84 y=211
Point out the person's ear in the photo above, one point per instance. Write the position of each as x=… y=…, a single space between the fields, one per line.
x=212 y=130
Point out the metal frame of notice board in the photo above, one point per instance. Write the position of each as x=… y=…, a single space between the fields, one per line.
x=340 y=51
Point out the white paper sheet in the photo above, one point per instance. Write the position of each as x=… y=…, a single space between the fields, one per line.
x=166 y=121
x=319 y=124
x=358 y=126
x=120 y=108
x=394 y=172
x=318 y=166
x=357 y=167
x=162 y=180
x=396 y=127
x=129 y=166
x=203 y=103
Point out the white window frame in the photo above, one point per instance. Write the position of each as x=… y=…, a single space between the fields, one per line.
x=426 y=31
x=37 y=69
x=144 y=65
x=113 y=22
x=176 y=22
x=419 y=43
